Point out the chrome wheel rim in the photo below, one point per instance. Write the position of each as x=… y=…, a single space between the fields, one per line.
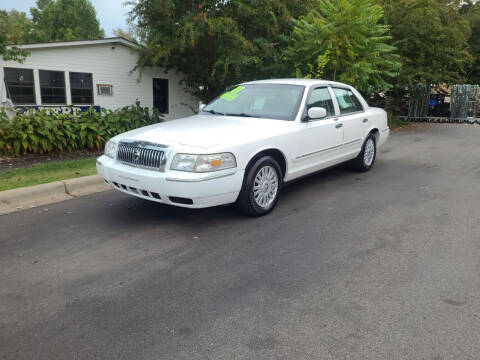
x=369 y=152
x=265 y=186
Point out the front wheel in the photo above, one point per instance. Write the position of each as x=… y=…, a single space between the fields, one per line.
x=261 y=187
x=365 y=160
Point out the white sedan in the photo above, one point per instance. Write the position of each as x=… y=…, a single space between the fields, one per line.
x=243 y=146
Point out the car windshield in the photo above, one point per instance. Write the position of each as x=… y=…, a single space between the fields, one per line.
x=270 y=101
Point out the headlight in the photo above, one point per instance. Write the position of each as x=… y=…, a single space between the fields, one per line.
x=111 y=149
x=203 y=163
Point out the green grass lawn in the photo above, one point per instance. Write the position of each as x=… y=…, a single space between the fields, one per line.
x=45 y=173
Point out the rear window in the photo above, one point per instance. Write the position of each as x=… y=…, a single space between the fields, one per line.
x=347 y=101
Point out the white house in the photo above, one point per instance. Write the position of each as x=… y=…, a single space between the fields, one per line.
x=87 y=73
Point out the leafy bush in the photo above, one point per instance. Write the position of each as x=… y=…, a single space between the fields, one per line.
x=40 y=132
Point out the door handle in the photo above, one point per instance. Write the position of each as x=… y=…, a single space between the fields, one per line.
x=335 y=118
x=365 y=120
x=338 y=126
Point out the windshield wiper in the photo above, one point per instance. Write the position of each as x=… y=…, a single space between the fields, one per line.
x=228 y=114
x=213 y=112
x=241 y=114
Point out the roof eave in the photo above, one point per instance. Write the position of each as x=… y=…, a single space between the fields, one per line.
x=115 y=40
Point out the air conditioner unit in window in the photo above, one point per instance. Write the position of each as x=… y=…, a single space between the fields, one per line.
x=105 y=90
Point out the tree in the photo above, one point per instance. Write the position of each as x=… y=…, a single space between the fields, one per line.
x=128 y=35
x=270 y=32
x=343 y=40
x=8 y=36
x=471 y=10
x=432 y=40
x=17 y=27
x=60 y=20
x=13 y=53
x=213 y=43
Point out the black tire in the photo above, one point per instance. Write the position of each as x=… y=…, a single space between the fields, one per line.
x=246 y=202
x=360 y=163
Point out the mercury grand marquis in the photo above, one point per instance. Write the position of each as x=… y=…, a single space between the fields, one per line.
x=246 y=144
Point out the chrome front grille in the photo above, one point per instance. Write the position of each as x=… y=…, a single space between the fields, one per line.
x=142 y=154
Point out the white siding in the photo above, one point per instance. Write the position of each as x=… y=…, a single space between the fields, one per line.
x=110 y=64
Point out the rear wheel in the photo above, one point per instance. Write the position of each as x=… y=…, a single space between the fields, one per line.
x=365 y=160
x=261 y=187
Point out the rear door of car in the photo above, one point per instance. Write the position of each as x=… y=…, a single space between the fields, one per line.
x=353 y=117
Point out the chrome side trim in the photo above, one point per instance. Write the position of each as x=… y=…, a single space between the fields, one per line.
x=144 y=144
x=353 y=141
x=385 y=130
x=317 y=152
x=201 y=179
x=351 y=113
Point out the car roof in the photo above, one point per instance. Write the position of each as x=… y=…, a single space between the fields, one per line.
x=302 y=82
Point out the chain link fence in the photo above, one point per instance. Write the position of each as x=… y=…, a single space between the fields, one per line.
x=464 y=104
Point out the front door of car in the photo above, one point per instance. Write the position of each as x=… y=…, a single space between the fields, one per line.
x=318 y=141
x=353 y=117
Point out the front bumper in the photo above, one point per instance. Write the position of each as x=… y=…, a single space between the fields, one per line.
x=204 y=190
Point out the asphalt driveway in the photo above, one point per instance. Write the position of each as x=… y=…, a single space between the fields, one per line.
x=383 y=265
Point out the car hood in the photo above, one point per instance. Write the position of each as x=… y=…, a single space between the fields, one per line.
x=208 y=131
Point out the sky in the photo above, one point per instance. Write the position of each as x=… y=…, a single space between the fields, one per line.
x=111 y=13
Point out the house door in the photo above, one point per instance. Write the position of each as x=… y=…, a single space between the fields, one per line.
x=160 y=95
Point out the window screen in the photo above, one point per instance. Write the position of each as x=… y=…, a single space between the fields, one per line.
x=81 y=87
x=20 y=85
x=52 y=87
x=320 y=97
x=160 y=95
x=347 y=101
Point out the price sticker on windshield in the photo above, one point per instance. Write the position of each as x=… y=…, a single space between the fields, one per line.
x=233 y=94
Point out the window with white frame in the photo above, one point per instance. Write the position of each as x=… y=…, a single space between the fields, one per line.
x=20 y=85
x=81 y=88
x=52 y=87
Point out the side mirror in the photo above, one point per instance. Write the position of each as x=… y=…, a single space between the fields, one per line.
x=201 y=107
x=317 y=113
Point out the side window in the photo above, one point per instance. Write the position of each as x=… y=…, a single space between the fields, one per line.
x=356 y=102
x=320 y=97
x=347 y=101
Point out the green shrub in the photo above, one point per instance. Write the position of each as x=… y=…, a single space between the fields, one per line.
x=41 y=132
